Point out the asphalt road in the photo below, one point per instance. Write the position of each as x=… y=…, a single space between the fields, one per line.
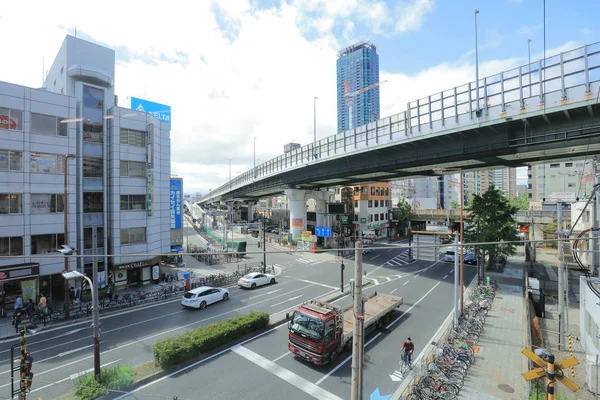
x=263 y=367
x=62 y=352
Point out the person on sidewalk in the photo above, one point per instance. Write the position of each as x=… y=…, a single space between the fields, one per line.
x=18 y=303
x=408 y=348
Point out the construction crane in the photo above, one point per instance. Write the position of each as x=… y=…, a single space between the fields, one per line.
x=350 y=97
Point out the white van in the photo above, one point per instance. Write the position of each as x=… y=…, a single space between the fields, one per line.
x=450 y=254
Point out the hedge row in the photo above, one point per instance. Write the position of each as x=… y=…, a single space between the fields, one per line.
x=175 y=350
x=117 y=378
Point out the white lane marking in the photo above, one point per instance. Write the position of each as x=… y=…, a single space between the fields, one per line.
x=390 y=250
x=285 y=301
x=66 y=353
x=392 y=292
x=452 y=270
x=281 y=356
x=264 y=294
x=445 y=276
x=374 y=280
x=285 y=374
x=376 y=336
x=406 y=283
x=372 y=258
x=311 y=282
x=396 y=376
x=172 y=329
x=71 y=377
x=78 y=374
x=388 y=278
x=196 y=363
x=416 y=276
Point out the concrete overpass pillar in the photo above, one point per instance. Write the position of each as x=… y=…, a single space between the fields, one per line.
x=297 y=206
x=250 y=212
x=321 y=200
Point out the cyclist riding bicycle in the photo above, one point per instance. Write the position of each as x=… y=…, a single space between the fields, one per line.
x=408 y=348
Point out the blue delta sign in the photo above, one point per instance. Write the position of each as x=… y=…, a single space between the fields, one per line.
x=175 y=197
x=321 y=231
x=161 y=112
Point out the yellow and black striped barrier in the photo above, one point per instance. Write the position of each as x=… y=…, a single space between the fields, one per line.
x=571 y=354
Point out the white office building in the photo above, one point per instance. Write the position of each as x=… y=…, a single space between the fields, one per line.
x=117 y=169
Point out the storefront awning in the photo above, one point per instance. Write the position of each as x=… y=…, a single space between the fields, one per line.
x=176 y=249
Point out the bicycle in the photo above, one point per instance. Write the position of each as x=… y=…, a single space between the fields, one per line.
x=406 y=363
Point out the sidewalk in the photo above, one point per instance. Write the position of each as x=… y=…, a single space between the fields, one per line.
x=496 y=373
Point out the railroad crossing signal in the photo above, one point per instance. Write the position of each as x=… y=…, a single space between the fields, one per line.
x=542 y=371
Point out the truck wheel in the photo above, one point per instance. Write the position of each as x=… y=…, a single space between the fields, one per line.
x=387 y=318
x=333 y=356
x=379 y=323
x=349 y=344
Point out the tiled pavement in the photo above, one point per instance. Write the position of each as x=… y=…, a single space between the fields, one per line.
x=496 y=373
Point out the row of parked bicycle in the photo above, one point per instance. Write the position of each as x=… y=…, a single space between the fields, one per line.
x=118 y=301
x=448 y=367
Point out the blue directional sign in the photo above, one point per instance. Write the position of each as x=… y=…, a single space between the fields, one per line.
x=376 y=395
x=322 y=231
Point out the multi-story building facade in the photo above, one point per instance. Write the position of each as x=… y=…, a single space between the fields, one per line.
x=116 y=165
x=369 y=206
x=359 y=66
x=565 y=179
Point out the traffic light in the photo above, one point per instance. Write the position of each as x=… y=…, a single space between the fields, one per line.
x=26 y=373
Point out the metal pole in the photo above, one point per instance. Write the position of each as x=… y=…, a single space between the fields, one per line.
x=462 y=261
x=95 y=308
x=357 y=341
x=529 y=58
x=596 y=221
x=476 y=67
x=561 y=279
x=342 y=267
x=67 y=306
x=254 y=173
x=315 y=128
x=264 y=247
x=456 y=279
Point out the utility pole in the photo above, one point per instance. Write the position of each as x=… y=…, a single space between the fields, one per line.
x=561 y=279
x=596 y=221
x=264 y=246
x=358 y=339
x=456 y=280
x=95 y=309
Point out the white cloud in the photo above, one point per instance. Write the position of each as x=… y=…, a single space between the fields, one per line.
x=258 y=83
x=412 y=14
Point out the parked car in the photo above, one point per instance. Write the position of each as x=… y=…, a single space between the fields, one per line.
x=367 y=250
x=254 y=279
x=450 y=254
x=470 y=258
x=203 y=296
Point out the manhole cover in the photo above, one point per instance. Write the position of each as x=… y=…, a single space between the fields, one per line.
x=506 y=388
x=367 y=357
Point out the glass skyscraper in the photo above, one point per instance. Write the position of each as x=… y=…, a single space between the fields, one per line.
x=359 y=66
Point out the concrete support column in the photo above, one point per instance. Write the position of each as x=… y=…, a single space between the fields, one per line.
x=250 y=212
x=297 y=206
x=321 y=200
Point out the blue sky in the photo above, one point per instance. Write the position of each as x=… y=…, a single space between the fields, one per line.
x=233 y=70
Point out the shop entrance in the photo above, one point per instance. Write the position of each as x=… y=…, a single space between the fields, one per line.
x=134 y=276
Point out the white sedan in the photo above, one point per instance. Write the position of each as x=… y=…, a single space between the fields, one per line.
x=255 y=279
x=203 y=296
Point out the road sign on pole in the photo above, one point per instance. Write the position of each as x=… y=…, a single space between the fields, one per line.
x=548 y=369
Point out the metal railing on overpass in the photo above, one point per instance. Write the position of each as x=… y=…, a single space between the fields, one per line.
x=521 y=215
x=558 y=81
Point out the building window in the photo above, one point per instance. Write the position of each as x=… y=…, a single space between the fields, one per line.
x=46 y=163
x=363 y=190
x=355 y=203
x=133 y=236
x=372 y=191
x=370 y=205
x=11 y=203
x=10 y=119
x=93 y=167
x=569 y=164
x=93 y=202
x=133 y=169
x=571 y=185
x=11 y=160
x=11 y=246
x=88 y=237
x=93 y=97
x=529 y=186
x=42 y=244
x=376 y=217
x=381 y=217
x=88 y=268
x=355 y=217
x=93 y=131
x=370 y=217
x=387 y=191
x=530 y=195
x=48 y=125
x=133 y=202
x=557 y=165
x=47 y=203
x=133 y=137
x=377 y=203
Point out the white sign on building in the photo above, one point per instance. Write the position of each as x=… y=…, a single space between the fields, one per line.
x=567 y=197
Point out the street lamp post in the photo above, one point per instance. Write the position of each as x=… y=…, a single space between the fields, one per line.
x=529 y=59
x=66 y=228
x=95 y=316
x=254 y=174
x=315 y=128
x=462 y=207
x=476 y=67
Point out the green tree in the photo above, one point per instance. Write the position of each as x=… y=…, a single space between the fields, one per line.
x=454 y=205
x=491 y=220
x=521 y=202
x=403 y=214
